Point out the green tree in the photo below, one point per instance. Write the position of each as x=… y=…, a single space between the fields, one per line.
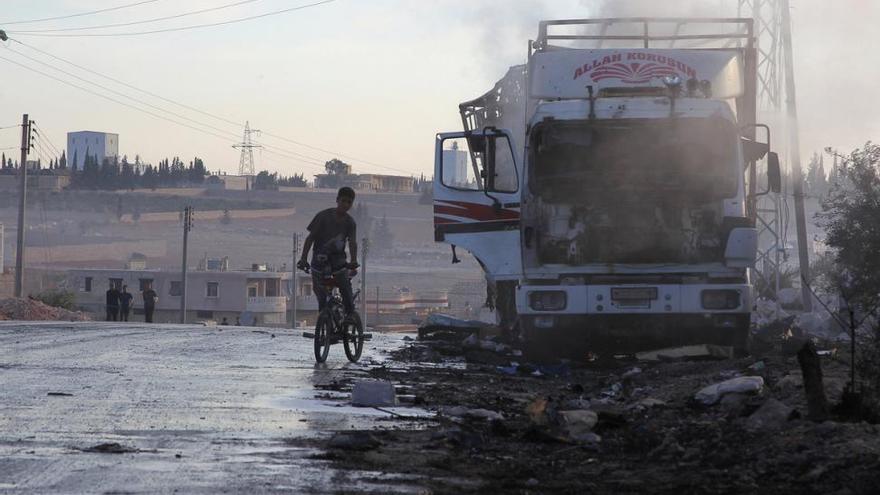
x=850 y=216
x=382 y=238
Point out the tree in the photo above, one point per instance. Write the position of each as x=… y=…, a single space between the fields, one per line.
x=850 y=217
x=816 y=183
x=62 y=162
x=382 y=238
x=265 y=181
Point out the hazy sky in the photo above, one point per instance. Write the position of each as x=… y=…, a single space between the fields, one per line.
x=370 y=79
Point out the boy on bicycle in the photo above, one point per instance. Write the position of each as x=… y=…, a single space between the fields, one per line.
x=329 y=232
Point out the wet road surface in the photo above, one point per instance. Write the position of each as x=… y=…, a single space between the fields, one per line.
x=198 y=409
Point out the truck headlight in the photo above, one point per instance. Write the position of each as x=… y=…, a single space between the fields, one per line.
x=720 y=299
x=547 y=300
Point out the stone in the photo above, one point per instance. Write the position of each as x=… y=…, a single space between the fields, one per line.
x=373 y=393
x=771 y=416
x=478 y=413
x=578 y=423
x=687 y=352
x=711 y=394
x=353 y=440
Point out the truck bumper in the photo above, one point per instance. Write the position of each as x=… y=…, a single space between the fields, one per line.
x=636 y=317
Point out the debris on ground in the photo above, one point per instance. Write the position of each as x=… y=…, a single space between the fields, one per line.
x=613 y=425
x=354 y=440
x=740 y=385
x=111 y=448
x=14 y=308
x=440 y=326
x=706 y=351
x=373 y=393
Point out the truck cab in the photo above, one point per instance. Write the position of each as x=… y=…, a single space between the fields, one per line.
x=605 y=192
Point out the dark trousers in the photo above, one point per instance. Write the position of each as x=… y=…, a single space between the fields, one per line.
x=123 y=313
x=148 y=313
x=112 y=313
x=323 y=293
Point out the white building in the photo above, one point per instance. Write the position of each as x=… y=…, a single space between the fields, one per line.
x=455 y=166
x=88 y=143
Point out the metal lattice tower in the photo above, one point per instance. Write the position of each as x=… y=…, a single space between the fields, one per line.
x=777 y=106
x=247 y=145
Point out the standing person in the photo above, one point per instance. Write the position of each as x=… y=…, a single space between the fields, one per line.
x=112 y=303
x=150 y=300
x=329 y=232
x=125 y=298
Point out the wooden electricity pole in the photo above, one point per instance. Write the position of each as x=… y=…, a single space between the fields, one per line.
x=294 y=291
x=365 y=248
x=22 y=198
x=187 y=226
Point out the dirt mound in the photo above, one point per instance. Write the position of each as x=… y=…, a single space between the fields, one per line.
x=28 y=309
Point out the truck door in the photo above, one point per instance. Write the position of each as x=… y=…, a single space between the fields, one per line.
x=477 y=198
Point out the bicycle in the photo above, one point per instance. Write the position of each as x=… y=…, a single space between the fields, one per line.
x=333 y=323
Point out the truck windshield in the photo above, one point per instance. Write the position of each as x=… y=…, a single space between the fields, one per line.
x=632 y=191
x=686 y=156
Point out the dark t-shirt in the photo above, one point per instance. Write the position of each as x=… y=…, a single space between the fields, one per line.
x=331 y=232
x=112 y=298
x=125 y=299
x=149 y=298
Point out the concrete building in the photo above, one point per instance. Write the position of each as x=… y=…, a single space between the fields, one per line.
x=36 y=182
x=253 y=297
x=369 y=182
x=88 y=143
x=230 y=182
x=455 y=166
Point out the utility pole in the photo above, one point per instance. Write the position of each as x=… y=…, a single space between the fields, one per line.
x=365 y=248
x=797 y=173
x=294 y=278
x=187 y=226
x=22 y=198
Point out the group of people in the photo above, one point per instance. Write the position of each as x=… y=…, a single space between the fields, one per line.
x=119 y=303
x=330 y=232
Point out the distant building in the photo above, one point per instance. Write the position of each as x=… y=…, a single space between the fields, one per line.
x=54 y=182
x=455 y=166
x=230 y=182
x=88 y=143
x=137 y=261
x=367 y=182
x=254 y=297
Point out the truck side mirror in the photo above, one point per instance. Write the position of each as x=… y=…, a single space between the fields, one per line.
x=774 y=176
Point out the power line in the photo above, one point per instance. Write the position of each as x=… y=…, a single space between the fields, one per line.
x=175 y=114
x=114 y=100
x=10 y=126
x=182 y=28
x=147 y=21
x=209 y=114
x=43 y=134
x=81 y=14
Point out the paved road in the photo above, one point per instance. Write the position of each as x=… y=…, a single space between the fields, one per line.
x=207 y=409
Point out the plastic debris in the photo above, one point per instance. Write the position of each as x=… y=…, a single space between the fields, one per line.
x=744 y=384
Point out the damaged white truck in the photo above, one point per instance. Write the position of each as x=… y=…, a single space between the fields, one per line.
x=607 y=187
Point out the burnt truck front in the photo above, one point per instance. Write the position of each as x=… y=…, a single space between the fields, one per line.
x=633 y=207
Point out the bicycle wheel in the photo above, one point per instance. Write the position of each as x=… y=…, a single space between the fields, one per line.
x=353 y=337
x=323 y=329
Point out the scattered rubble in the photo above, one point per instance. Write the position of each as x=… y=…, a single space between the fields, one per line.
x=740 y=385
x=14 y=308
x=617 y=424
x=373 y=393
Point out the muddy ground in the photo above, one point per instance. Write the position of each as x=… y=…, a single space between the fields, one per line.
x=508 y=433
